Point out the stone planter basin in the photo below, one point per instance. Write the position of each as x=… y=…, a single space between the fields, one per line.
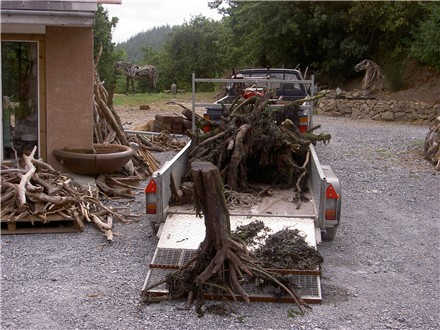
x=108 y=158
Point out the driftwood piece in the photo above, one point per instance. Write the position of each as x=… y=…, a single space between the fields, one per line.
x=432 y=144
x=44 y=166
x=48 y=187
x=200 y=121
x=240 y=152
x=21 y=188
x=7 y=195
x=57 y=200
x=101 y=182
x=109 y=232
x=109 y=116
x=149 y=145
x=177 y=193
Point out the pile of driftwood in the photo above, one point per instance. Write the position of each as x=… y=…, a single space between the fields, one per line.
x=255 y=144
x=160 y=143
x=432 y=144
x=108 y=129
x=33 y=189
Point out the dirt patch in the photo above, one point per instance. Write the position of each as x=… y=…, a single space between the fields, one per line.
x=132 y=117
x=422 y=85
x=427 y=91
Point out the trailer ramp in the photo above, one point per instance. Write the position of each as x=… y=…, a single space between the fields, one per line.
x=180 y=238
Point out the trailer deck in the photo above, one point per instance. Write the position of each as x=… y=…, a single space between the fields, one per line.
x=182 y=234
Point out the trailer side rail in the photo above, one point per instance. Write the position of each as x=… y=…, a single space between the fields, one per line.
x=175 y=168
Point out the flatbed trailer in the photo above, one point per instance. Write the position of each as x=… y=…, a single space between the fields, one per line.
x=180 y=231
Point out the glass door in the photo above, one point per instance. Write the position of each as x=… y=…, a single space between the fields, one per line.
x=20 y=115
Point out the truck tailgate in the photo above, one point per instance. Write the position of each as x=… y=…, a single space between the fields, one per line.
x=182 y=233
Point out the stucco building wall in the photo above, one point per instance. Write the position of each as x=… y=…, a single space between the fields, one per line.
x=69 y=88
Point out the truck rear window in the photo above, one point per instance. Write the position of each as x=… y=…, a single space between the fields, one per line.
x=276 y=75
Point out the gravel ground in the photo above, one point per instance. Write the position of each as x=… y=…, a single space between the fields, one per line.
x=381 y=271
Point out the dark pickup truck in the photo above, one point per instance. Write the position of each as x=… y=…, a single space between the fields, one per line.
x=294 y=88
x=288 y=91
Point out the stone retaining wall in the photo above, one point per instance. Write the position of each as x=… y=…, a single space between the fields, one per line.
x=375 y=109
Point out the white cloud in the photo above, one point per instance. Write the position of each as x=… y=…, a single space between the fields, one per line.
x=136 y=15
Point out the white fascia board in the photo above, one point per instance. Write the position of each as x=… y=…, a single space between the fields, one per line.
x=58 y=5
x=54 y=19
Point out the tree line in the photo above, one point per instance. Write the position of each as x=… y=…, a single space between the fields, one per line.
x=327 y=37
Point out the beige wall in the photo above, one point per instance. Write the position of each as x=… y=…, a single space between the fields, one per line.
x=69 y=88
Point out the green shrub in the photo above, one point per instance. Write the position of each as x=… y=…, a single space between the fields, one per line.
x=426 y=45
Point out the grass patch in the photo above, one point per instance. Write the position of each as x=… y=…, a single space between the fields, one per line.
x=148 y=98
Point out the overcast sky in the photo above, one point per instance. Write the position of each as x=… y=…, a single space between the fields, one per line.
x=141 y=15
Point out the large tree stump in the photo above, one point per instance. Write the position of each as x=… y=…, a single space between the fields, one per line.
x=218 y=253
x=221 y=262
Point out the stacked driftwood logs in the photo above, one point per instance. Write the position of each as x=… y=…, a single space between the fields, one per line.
x=33 y=189
x=252 y=143
x=108 y=129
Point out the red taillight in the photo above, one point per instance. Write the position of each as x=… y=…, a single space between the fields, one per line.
x=206 y=128
x=303 y=124
x=151 y=208
x=330 y=214
x=331 y=193
x=249 y=93
x=151 y=188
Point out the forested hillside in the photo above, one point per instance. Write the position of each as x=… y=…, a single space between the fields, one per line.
x=327 y=37
x=154 y=38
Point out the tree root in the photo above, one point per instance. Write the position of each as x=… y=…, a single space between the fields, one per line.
x=224 y=271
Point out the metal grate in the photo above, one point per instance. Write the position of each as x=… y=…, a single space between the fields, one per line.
x=171 y=258
x=187 y=255
x=164 y=258
x=310 y=290
x=307 y=285
x=165 y=261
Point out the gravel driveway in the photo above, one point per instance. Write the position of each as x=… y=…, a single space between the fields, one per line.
x=382 y=270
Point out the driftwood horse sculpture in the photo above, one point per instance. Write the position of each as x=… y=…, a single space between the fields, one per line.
x=132 y=72
x=373 y=79
x=148 y=72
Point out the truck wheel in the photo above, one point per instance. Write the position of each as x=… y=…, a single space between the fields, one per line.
x=329 y=234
